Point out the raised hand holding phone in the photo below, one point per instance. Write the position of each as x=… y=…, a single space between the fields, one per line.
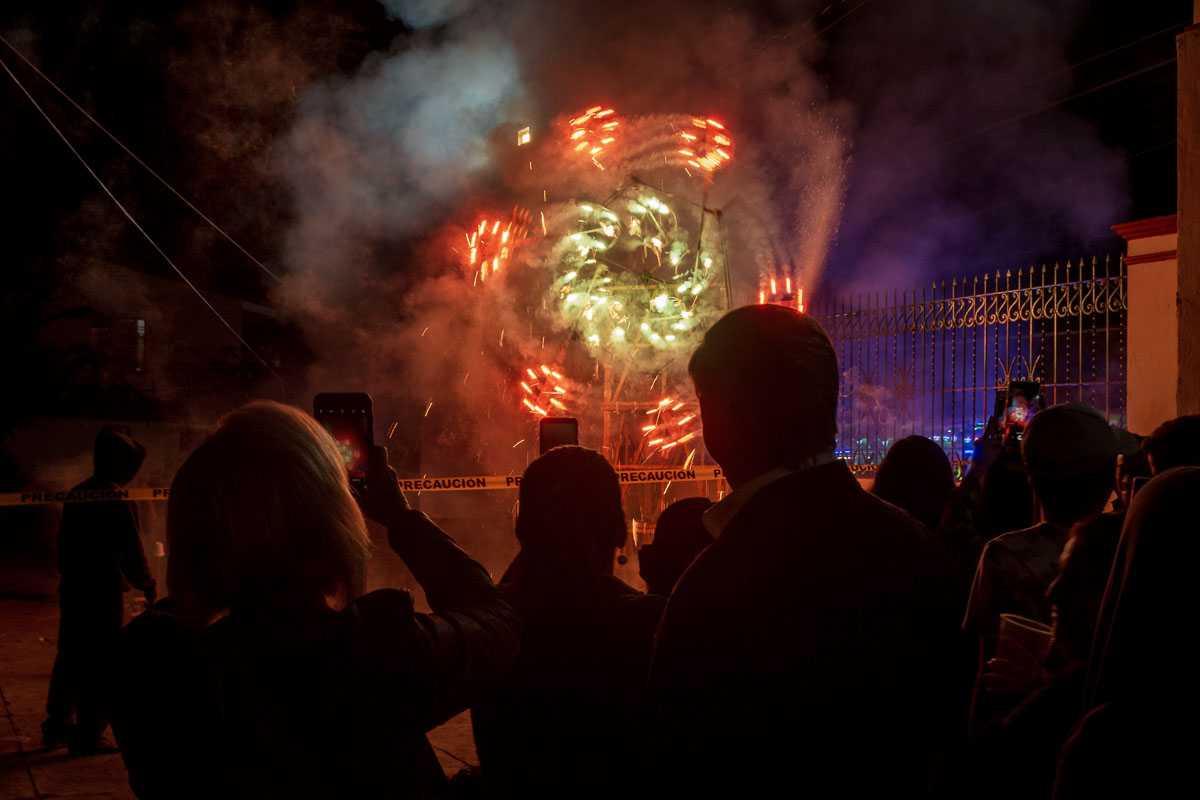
x=383 y=501
x=350 y=419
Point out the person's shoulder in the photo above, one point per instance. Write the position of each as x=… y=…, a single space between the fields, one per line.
x=892 y=517
x=383 y=605
x=158 y=635
x=1014 y=543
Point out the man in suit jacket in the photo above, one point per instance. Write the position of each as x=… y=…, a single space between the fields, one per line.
x=808 y=646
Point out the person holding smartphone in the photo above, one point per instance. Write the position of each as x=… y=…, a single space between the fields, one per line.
x=261 y=675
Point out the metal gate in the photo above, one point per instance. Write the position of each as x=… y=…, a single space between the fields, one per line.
x=930 y=361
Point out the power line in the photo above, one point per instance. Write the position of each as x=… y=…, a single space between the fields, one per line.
x=1064 y=100
x=131 y=218
x=1119 y=48
x=840 y=19
x=136 y=158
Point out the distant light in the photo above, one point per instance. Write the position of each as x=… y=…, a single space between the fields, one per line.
x=524 y=136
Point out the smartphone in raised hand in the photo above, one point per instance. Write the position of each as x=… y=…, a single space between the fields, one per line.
x=350 y=419
x=557 y=431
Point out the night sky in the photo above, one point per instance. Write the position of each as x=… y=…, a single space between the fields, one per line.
x=976 y=138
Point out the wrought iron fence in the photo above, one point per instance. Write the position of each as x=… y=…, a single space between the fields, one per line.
x=930 y=361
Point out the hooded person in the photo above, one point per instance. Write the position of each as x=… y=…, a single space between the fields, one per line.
x=564 y=721
x=1134 y=739
x=99 y=556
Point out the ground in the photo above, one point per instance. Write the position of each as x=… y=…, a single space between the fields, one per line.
x=27 y=641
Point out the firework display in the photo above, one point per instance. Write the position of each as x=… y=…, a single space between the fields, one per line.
x=707 y=145
x=592 y=132
x=492 y=242
x=606 y=275
x=781 y=290
x=673 y=423
x=632 y=278
x=543 y=392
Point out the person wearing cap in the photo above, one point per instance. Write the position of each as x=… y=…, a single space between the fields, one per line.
x=564 y=722
x=99 y=555
x=1070 y=455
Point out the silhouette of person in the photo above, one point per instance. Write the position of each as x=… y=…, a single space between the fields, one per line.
x=1070 y=454
x=915 y=475
x=679 y=536
x=267 y=677
x=99 y=551
x=1135 y=740
x=1175 y=443
x=564 y=722
x=812 y=633
x=1022 y=753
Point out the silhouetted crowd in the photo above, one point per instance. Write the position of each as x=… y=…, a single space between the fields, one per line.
x=1017 y=634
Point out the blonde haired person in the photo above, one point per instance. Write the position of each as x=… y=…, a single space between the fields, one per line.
x=261 y=674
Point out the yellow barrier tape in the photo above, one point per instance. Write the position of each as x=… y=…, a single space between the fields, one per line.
x=457 y=483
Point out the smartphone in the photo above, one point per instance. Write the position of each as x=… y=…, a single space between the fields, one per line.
x=1135 y=484
x=350 y=419
x=557 y=431
x=1024 y=399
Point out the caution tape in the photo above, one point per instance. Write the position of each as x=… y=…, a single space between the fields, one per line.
x=458 y=483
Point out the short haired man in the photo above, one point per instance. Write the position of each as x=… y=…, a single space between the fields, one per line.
x=804 y=635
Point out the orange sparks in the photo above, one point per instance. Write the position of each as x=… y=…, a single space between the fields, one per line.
x=536 y=408
x=591 y=132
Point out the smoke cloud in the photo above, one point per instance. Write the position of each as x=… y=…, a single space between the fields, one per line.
x=964 y=161
x=390 y=168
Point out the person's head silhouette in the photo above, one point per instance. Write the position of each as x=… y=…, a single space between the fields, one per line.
x=261 y=515
x=1175 y=443
x=1071 y=455
x=767 y=379
x=916 y=475
x=117 y=456
x=570 y=517
x=679 y=536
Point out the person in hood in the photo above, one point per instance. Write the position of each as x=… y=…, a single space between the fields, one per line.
x=564 y=723
x=99 y=556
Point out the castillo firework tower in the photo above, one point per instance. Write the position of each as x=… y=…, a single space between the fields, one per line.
x=615 y=267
